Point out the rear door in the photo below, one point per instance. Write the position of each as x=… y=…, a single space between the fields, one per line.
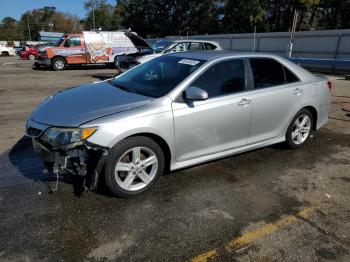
x=219 y=123
x=277 y=94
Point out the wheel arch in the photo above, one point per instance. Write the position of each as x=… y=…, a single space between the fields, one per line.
x=163 y=145
x=313 y=112
x=59 y=56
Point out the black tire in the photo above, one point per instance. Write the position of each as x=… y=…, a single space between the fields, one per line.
x=31 y=57
x=116 y=63
x=5 y=53
x=58 y=64
x=290 y=143
x=117 y=151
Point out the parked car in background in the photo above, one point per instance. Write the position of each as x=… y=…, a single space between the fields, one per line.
x=29 y=53
x=7 y=51
x=160 y=45
x=92 y=47
x=182 y=46
x=176 y=111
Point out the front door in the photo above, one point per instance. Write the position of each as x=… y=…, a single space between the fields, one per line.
x=75 y=51
x=219 y=123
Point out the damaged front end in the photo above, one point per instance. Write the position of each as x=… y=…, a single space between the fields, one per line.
x=66 y=150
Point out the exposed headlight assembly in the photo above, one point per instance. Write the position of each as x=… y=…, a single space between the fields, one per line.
x=58 y=137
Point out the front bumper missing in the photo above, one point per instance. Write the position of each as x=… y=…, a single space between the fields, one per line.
x=85 y=160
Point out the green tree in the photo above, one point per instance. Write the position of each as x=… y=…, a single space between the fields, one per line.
x=100 y=15
x=10 y=29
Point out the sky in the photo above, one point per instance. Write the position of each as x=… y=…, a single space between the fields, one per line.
x=15 y=8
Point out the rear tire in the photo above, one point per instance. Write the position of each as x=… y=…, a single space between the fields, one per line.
x=5 y=53
x=300 y=129
x=58 y=64
x=133 y=166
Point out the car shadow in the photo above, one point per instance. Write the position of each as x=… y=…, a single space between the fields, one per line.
x=27 y=164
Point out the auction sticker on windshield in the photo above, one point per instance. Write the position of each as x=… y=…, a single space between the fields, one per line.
x=188 y=62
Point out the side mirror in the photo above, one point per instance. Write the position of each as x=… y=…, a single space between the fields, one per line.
x=193 y=93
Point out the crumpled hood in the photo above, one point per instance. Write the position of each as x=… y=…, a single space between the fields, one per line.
x=75 y=106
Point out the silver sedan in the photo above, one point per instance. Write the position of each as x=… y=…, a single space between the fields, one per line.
x=176 y=111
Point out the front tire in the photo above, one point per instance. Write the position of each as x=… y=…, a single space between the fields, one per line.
x=58 y=64
x=300 y=129
x=133 y=166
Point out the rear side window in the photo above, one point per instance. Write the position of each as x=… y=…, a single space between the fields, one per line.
x=195 y=46
x=266 y=72
x=290 y=76
x=222 y=78
x=209 y=46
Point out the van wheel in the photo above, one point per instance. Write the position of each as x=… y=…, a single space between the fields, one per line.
x=5 y=53
x=133 y=166
x=299 y=130
x=58 y=64
x=116 y=63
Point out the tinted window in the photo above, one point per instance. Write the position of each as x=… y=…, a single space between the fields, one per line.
x=266 y=72
x=290 y=77
x=209 y=46
x=223 y=78
x=195 y=46
x=73 y=41
x=158 y=76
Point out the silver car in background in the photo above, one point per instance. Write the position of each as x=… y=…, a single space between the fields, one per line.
x=176 y=111
x=182 y=46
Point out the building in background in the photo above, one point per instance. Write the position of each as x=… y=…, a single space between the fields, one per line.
x=49 y=36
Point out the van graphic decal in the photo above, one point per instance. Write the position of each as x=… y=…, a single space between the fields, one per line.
x=69 y=51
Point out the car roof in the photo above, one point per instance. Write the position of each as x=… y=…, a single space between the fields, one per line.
x=195 y=40
x=217 y=54
x=222 y=54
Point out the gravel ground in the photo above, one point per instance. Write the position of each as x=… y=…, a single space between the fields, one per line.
x=270 y=204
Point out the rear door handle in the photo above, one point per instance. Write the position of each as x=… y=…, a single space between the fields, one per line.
x=244 y=102
x=298 y=92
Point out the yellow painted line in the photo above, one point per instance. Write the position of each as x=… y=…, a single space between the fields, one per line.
x=248 y=237
x=205 y=256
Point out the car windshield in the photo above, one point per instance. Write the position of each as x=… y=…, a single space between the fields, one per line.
x=59 y=41
x=157 y=77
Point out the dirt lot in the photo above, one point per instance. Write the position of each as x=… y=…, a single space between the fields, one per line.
x=271 y=204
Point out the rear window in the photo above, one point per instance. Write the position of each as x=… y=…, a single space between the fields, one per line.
x=137 y=41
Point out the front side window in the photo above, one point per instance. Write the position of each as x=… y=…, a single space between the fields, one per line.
x=268 y=73
x=73 y=41
x=222 y=78
x=158 y=76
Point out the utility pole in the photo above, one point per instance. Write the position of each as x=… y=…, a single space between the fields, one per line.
x=254 y=41
x=93 y=18
x=295 y=21
x=30 y=36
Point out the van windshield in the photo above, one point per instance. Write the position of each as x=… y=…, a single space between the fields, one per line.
x=59 y=41
x=157 y=77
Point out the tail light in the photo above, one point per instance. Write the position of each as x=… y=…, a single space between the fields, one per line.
x=330 y=85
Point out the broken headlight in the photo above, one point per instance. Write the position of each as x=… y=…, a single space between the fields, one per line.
x=63 y=136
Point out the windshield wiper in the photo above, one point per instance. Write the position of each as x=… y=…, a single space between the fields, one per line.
x=128 y=89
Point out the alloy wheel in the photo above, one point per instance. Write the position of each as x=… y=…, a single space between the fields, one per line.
x=301 y=129
x=136 y=168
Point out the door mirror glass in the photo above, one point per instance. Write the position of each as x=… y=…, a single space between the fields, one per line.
x=193 y=93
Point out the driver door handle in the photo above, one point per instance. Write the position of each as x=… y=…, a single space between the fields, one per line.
x=244 y=102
